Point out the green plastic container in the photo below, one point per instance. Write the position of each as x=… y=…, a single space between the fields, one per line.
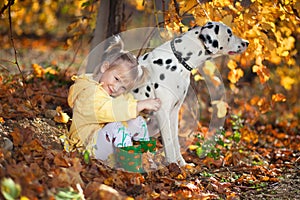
x=130 y=158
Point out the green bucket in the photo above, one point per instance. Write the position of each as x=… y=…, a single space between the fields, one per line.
x=130 y=158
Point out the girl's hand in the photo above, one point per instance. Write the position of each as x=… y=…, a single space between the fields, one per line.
x=148 y=104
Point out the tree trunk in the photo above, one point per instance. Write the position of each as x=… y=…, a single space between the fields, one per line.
x=109 y=22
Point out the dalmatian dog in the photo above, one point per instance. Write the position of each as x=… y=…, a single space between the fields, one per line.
x=170 y=66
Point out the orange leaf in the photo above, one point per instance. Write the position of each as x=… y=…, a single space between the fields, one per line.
x=61 y=117
x=222 y=108
x=235 y=75
x=278 y=97
x=262 y=72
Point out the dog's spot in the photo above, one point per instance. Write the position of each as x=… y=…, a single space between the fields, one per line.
x=229 y=32
x=155 y=85
x=186 y=58
x=189 y=53
x=168 y=61
x=147 y=94
x=177 y=86
x=215 y=44
x=201 y=37
x=148 y=88
x=178 y=40
x=162 y=77
x=173 y=68
x=209 y=39
x=216 y=29
x=228 y=39
x=136 y=90
x=145 y=56
x=158 y=62
x=200 y=53
x=207 y=52
x=197 y=32
x=210 y=25
x=168 y=66
x=221 y=48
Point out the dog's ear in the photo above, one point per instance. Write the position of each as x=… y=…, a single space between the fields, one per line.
x=209 y=36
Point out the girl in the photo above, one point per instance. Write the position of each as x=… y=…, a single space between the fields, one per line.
x=105 y=115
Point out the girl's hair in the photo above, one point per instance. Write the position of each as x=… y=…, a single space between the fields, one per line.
x=115 y=56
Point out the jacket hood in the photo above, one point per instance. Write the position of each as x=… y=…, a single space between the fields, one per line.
x=81 y=83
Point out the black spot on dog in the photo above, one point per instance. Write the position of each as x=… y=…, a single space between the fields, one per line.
x=207 y=52
x=197 y=32
x=201 y=37
x=189 y=53
x=147 y=94
x=168 y=66
x=168 y=61
x=178 y=40
x=177 y=86
x=145 y=56
x=156 y=85
x=136 y=90
x=228 y=39
x=221 y=48
x=158 y=62
x=215 y=44
x=210 y=26
x=217 y=29
x=173 y=68
x=148 y=88
x=229 y=32
x=186 y=58
x=162 y=77
x=208 y=38
x=200 y=53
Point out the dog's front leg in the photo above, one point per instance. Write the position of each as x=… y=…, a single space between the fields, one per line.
x=163 y=117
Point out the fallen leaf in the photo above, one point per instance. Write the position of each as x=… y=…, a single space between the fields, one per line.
x=61 y=117
x=278 y=97
x=221 y=107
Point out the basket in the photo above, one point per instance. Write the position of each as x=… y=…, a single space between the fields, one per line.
x=130 y=158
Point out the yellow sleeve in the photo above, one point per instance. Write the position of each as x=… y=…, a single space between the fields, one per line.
x=109 y=109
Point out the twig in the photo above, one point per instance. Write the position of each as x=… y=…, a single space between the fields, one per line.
x=11 y=2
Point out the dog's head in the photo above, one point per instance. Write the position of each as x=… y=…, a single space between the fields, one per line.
x=219 y=39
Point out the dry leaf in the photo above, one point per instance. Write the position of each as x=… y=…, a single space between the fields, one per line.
x=61 y=117
x=222 y=108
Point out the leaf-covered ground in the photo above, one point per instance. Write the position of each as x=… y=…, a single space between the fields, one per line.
x=264 y=164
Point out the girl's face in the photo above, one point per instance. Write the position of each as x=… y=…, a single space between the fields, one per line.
x=115 y=80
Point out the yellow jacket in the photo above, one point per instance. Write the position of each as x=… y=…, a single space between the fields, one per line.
x=92 y=109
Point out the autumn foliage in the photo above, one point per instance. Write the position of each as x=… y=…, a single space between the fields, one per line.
x=254 y=155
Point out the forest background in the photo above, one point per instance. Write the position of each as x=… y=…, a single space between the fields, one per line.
x=257 y=153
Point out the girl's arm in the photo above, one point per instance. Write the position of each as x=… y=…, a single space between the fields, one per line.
x=148 y=104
